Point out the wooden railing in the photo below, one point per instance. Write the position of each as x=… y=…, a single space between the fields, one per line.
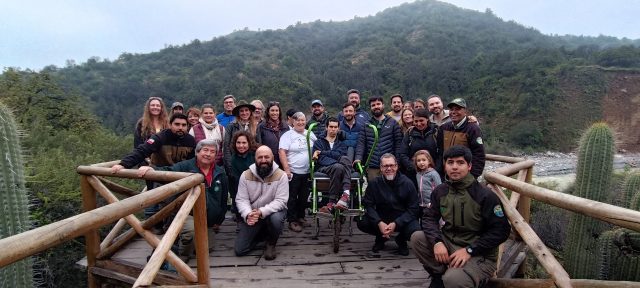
x=92 y=184
x=517 y=209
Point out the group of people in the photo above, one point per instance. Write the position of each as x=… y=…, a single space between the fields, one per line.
x=421 y=174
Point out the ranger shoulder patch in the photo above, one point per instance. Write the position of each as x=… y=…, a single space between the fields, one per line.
x=497 y=210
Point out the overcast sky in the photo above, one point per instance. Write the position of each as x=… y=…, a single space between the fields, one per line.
x=34 y=34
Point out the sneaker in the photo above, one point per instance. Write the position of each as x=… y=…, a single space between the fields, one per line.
x=328 y=209
x=343 y=203
x=295 y=226
x=270 y=252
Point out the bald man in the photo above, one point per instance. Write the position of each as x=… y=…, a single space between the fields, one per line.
x=262 y=197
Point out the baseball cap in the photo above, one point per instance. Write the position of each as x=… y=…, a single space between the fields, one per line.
x=458 y=102
x=177 y=104
x=317 y=101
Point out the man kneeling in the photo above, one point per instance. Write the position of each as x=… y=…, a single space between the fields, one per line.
x=463 y=253
x=262 y=197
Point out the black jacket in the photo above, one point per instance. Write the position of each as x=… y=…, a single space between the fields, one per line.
x=416 y=140
x=164 y=148
x=473 y=216
x=389 y=201
x=271 y=138
x=389 y=141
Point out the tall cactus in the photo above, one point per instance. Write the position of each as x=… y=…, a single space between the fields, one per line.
x=631 y=188
x=593 y=177
x=14 y=218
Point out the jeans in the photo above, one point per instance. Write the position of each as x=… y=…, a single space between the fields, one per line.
x=267 y=229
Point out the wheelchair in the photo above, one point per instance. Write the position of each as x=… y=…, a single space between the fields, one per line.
x=320 y=183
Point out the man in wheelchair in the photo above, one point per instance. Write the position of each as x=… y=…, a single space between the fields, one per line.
x=330 y=152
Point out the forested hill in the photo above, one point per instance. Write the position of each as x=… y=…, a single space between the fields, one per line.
x=517 y=80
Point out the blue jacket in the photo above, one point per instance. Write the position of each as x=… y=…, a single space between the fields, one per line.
x=329 y=156
x=362 y=116
x=351 y=133
x=224 y=119
x=389 y=141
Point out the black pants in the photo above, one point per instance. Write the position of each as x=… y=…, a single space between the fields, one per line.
x=298 y=195
x=339 y=177
x=368 y=226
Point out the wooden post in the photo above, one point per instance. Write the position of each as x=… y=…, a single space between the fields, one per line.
x=542 y=253
x=202 y=241
x=524 y=208
x=19 y=246
x=182 y=268
x=112 y=234
x=151 y=269
x=92 y=238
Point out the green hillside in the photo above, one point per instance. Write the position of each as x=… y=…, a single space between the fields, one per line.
x=511 y=75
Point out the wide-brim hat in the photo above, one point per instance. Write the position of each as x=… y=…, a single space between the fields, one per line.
x=241 y=104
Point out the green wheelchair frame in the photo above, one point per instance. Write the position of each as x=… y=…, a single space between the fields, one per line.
x=338 y=217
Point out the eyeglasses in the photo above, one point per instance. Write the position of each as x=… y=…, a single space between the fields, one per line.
x=274 y=103
x=155 y=98
x=388 y=166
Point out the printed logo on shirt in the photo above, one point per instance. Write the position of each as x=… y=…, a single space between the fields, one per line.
x=479 y=140
x=498 y=211
x=150 y=141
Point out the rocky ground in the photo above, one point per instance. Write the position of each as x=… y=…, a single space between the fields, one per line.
x=556 y=163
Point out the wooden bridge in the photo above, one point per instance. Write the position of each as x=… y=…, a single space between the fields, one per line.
x=120 y=259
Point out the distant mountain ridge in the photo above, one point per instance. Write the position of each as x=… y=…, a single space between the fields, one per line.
x=512 y=76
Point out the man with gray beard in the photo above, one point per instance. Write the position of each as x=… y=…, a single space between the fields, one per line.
x=391 y=205
x=262 y=197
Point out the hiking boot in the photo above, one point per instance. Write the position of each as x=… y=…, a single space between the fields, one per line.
x=295 y=226
x=403 y=248
x=378 y=246
x=343 y=203
x=270 y=252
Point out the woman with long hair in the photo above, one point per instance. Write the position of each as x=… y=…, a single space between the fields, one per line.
x=406 y=120
x=243 y=121
x=154 y=119
x=272 y=128
x=243 y=154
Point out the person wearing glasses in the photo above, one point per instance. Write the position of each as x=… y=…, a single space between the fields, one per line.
x=391 y=207
x=258 y=114
x=272 y=128
x=226 y=117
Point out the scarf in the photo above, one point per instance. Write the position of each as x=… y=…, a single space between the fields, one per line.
x=273 y=125
x=462 y=184
x=211 y=126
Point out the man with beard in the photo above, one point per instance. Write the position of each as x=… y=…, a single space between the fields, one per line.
x=262 y=197
x=353 y=97
x=165 y=148
x=215 y=183
x=350 y=126
x=396 y=107
x=461 y=132
x=318 y=115
x=463 y=251
x=391 y=205
x=439 y=115
x=389 y=138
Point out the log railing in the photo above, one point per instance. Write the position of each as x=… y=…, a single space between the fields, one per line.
x=517 y=209
x=86 y=224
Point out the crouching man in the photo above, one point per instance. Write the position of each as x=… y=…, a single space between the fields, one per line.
x=216 y=190
x=464 y=252
x=262 y=197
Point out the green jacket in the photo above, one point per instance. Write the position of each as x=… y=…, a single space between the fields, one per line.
x=216 y=193
x=472 y=214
